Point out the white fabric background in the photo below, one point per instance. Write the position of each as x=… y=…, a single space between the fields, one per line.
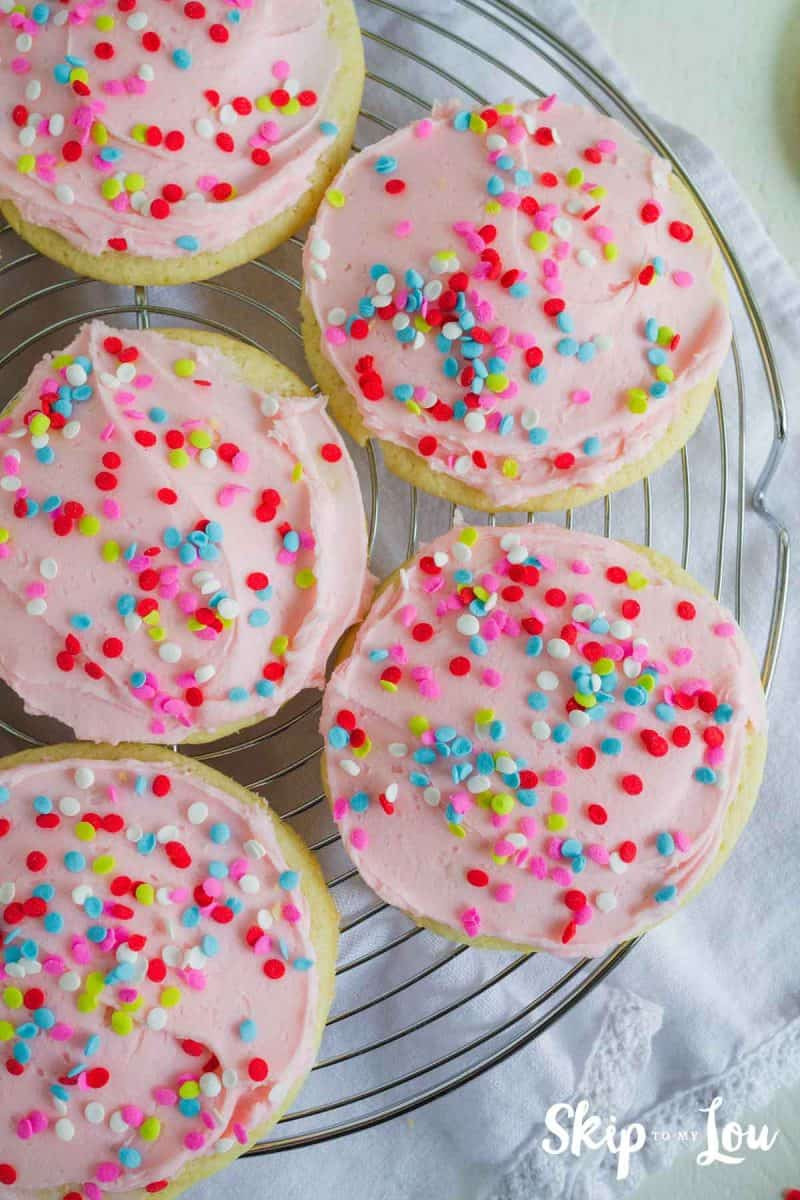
x=710 y=1002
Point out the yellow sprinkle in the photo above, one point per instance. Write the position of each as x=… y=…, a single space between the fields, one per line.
x=510 y=468
x=178 y=459
x=194 y=625
x=145 y=894
x=134 y=182
x=665 y=335
x=7 y=1031
x=469 y=536
x=85 y=1004
x=497 y=382
x=12 y=997
x=480 y=592
x=200 y=438
x=477 y=123
x=39 y=424
x=156 y=633
x=574 y=176
x=110 y=551
x=363 y=750
x=647 y=682
x=413 y=407
x=598 y=193
x=610 y=251
x=305 y=579
x=133 y=1005
x=422 y=325
x=95 y=982
x=79 y=75
x=138 y=133
x=150 y=1129
x=585 y=699
x=292 y=108
x=387 y=685
x=89 y=525
x=99 y=134
x=152 y=618
x=418 y=725
x=499 y=860
x=502 y=803
x=484 y=716
x=335 y=198
x=110 y=188
x=170 y=997
x=4 y=535
x=264 y=104
x=280 y=645
x=555 y=822
x=189 y=1090
x=665 y=373
x=637 y=400
x=105 y=24
x=85 y=831
x=121 y=1023
x=61 y=360
x=25 y=164
x=603 y=666
x=184 y=368
x=539 y=241
x=504 y=108
x=636 y=580
x=493 y=207
x=104 y=864
x=297 y=472
x=457 y=830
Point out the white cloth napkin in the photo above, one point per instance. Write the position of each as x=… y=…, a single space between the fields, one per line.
x=708 y=1003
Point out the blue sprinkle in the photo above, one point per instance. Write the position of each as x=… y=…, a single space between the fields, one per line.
x=74 y=861
x=591 y=446
x=635 y=696
x=570 y=847
x=146 y=844
x=53 y=922
x=43 y=804
x=303 y=964
x=705 y=775
x=182 y=59
x=209 y=946
x=190 y=917
x=519 y=290
x=96 y=933
x=93 y=907
x=495 y=186
x=218 y=870
x=656 y=357
x=130 y=1157
x=534 y=646
x=265 y=688
x=665 y=712
x=445 y=733
x=586 y=352
x=291 y=541
x=51 y=503
x=137 y=679
x=497 y=731
x=126 y=604
x=220 y=833
x=45 y=1018
x=171 y=537
x=538 y=436
x=234 y=904
x=27 y=1030
x=45 y=454
x=567 y=347
x=189 y=1108
x=187 y=242
x=537 y=701
x=565 y=322
x=80 y=621
x=22 y=1053
x=359 y=802
x=528 y=797
x=328 y=128
x=666 y=893
x=658 y=389
x=238 y=694
x=561 y=733
x=248 y=1031
x=158 y=415
x=385 y=164
x=92 y=1045
x=723 y=713
x=578 y=863
x=611 y=745
x=665 y=844
x=461 y=122
x=651 y=329
x=59 y=1091
x=288 y=880
x=61 y=72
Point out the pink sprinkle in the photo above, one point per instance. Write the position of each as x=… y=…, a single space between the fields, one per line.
x=548 y=102
x=598 y=854
x=37 y=588
x=503 y=849
x=24 y=1129
x=561 y=876
x=625 y=721
x=725 y=629
x=471 y=921
x=583 y=916
x=423 y=129
x=580 y=567
x=111 y=509
x=358 y=838
x=240 y=1133
x=403 y=229
x=715 y=756
x=492 y=678
x=682 y=840
x=606 y=146
x=238 y=868
x=339 y=808
x=281 y=69
x=682 y=279
x=580 y=396
x=92 y=1191
x=528 y=826
x=107 y=1172
x=291 y=913
x=240 y=462
x=132 y=1115
x=554 y=777
x=194 y=1140
x=682 y=656
x=335 y=335
x=538 y=867
x=560 y=802
x=504 y=893
x=263 y=945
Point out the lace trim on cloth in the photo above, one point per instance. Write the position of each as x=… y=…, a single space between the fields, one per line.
x=618 y=1059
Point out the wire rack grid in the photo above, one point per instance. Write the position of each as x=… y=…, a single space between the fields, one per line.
x=416 y=1017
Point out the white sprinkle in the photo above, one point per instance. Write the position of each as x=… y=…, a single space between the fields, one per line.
x=210 y=1084
x=398 y=749
x=156 y=1018
x=76 y=375
x=269 y=405
x=204 y=128
x=338 y=316
x=475 y=422
x=117 y=1123
x=27 y=136
x=126 y=372
x=385 y=284
x=64 y=1128
x=170 y=652
x=547 y=681
x=249 y=884
x=69 y=806
x=36 y=607
x=7 y=892
x=48 y=568
x=582 y=612
x=230 y=1078
x=64 y=194
x=540 y=730
x=137 y=21
x=558 y=648
x=10 y=483
x=254 y=849
x=616 y=863
x=33 y=90
x=55 y=125
x=167 y=833
x=197 y=812
x=605 y=901
x=621 y=629
x=467 y=624
x=203 y=674
x=84 y=777
x=228 y=115
x=71 y=430
x=70 y=981
x=228 y=609
x=432 y=796
x=477 y=784
x=94 y=1113
x=321 y=249
x=81 y=894
x=350 y=767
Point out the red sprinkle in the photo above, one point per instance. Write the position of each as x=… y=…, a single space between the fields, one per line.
x=257 y=1069
x=632 y=784
x=477 y=877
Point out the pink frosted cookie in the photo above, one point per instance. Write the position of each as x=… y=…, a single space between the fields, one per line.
x=542 y=739
x=151 y=142
x=522 y=306
x=172 y=564
x=164 y=975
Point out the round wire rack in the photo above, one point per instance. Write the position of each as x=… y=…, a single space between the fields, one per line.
x=414 y=1016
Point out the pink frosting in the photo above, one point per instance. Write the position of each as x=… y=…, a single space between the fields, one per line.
x=537 y=738
x=525 y=305
x=218 y=103
x=151 y=919
x=129 y=616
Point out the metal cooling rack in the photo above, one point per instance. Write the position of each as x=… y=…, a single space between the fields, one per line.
x=414 y=1016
